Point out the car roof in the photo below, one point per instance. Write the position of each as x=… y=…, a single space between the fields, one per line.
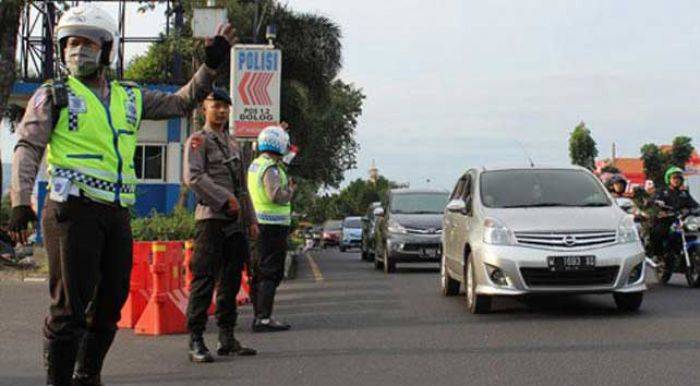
x=426 y=190
x=529 y=167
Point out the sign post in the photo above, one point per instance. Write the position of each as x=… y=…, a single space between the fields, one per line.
x=256 y=72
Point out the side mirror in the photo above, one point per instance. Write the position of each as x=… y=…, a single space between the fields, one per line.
x=457 y=206
x=378 y=212
x=364 y=219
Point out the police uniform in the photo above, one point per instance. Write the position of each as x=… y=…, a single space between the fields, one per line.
x=271 y=195
x=90 y=144
x=221 y=245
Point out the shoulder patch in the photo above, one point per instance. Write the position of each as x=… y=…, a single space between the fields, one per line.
x=196 y=140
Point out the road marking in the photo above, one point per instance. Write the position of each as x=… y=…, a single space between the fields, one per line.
x=314 y=268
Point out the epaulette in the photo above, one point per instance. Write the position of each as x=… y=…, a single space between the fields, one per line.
x=128 y=83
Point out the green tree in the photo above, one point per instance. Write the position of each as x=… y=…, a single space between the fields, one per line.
x=582 y=147
x=656 y=161
x=681 y=151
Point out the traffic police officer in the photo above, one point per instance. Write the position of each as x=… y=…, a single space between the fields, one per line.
x=223 y=217
x=271 y=191
x=88 y=126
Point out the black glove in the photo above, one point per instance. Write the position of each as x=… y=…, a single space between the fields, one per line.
x=216 y=52
x=20 y=217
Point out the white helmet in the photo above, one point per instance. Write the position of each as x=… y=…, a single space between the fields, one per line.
x=273 y=139
x=91 y=22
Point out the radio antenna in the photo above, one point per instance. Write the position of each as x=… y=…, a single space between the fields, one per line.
x=529 y=158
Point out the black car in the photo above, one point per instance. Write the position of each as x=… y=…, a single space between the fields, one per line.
x=410 y=228
x=369 y=222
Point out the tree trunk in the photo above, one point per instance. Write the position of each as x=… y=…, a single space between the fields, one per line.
x=10 y=12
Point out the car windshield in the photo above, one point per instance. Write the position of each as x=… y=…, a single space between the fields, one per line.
x=418 y=203
x=332 y=225
x=354 y=222
x=528 y=188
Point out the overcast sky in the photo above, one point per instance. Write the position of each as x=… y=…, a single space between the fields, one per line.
x=462 y=83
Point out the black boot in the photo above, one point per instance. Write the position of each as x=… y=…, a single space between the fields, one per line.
x=59 y=360
x=199 y=353
x=229 y=345
x=269 y=325
x=91 y=356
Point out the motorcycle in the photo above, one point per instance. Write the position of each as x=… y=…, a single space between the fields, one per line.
x=685 y=259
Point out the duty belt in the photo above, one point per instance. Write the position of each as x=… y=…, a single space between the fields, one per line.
x=92 y=181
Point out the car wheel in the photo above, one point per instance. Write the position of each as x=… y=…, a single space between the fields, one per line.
x=628 y=302
x=342 y=249
x=692 y=274
x=449 y=286
x=364 y=255
x=477 y=304
x=389 y=265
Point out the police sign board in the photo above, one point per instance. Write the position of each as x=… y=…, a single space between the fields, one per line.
x=256 y=73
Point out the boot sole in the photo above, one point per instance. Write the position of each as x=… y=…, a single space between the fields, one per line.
x=203 y=360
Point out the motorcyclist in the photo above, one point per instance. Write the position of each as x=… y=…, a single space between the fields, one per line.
x=617 y=186
x=675 y=198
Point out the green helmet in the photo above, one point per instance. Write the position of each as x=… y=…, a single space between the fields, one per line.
x=671 y=171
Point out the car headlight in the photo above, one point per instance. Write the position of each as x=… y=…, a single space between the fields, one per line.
x=497 y=233
x=627 y=231
x=394 y=227
x=692 y=224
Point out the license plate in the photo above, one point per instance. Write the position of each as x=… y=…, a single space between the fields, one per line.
x=431 y=252
x=570 y=263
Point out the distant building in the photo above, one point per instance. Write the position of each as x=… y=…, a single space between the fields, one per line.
x=373 y=173
x=633 y=168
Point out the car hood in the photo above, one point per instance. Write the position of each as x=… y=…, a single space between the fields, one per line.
x=558 y=219
x=419 y=221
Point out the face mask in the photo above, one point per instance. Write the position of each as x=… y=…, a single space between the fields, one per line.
x=82 y=61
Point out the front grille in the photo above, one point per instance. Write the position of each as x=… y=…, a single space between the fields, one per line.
x=419 y=247
x=543 y=277
x=429 y=231
x=576 y=239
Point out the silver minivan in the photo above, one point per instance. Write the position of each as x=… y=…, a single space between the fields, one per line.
x=532 y=230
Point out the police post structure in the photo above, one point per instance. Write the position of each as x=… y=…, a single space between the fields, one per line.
x=255 y=87
x=224 y=220
x=88 y=126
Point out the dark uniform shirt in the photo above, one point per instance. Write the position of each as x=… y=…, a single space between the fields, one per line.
x=677 y=199
x=209 y=178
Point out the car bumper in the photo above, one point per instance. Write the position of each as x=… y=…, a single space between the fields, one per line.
x=414 y=248
x=351 y=243
x=527 y=272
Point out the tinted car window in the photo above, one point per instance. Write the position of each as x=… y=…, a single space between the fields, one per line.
x=352 y=223
x=332 y=225
x=418 y=203
x=541 y=188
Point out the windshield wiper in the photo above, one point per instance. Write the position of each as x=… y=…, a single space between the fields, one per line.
x=424 y=212
x=594 y=204
x=538 y=205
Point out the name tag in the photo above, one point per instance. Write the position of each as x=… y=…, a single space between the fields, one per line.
x=76 y=104
x=60 y=189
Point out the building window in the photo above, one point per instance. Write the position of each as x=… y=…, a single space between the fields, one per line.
x=149 y=162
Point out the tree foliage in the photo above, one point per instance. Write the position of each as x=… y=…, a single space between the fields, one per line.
x=353 y=200
x=657 y=161
x=322 y=111
x=582 y=147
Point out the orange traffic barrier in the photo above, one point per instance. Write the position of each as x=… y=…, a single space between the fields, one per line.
x=140 y=286
x=243 y=296
x=165 y=311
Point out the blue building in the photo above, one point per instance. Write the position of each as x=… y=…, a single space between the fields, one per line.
x=158 y=157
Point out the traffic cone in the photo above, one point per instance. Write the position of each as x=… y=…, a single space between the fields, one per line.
x=165 y=311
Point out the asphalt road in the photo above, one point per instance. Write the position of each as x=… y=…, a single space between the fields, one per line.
x=353 y=325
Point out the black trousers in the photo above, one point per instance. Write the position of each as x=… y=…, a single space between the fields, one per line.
x=268 y=267
x=89 y=249
x=217 y=263
x=661 y=238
